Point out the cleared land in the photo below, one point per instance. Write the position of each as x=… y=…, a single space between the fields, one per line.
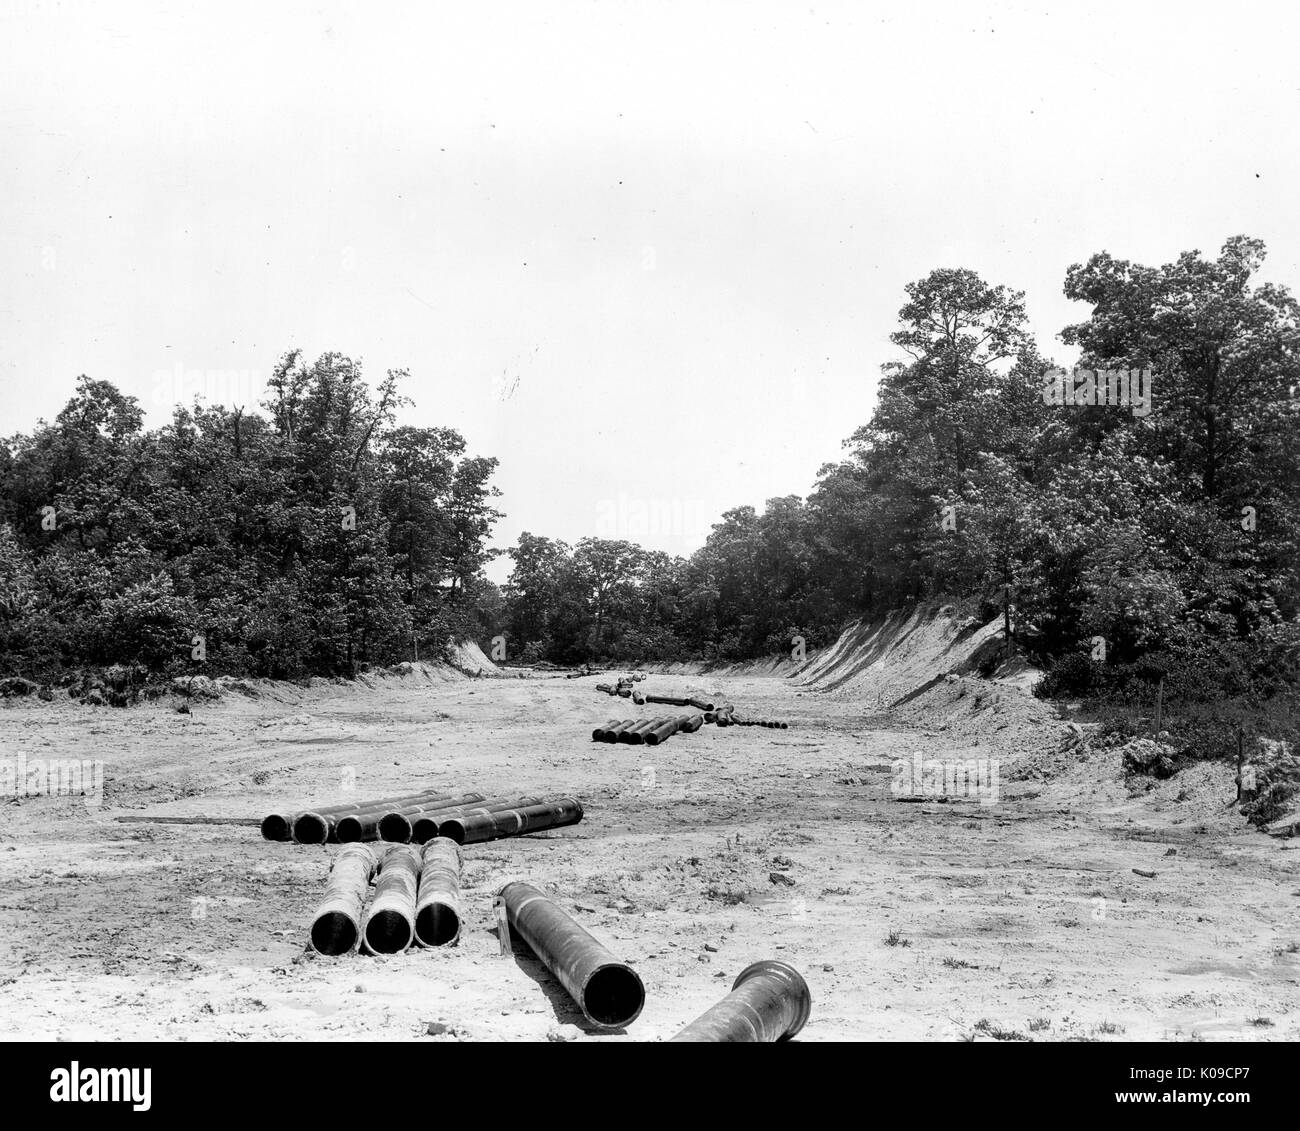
x=695 y=859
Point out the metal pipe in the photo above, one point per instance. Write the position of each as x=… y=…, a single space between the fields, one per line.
x=437 y=901
x=279 y=826
x=316 y=826
x=335 y=924
x=635 y=734
x=390 y=923
x=613 y=733
x=608 y=992
x=430 y=826
x=701 y=704
x=396 y=825
x=598 y=735
x=661 y=733
x=511 y=822
x=668 y=700
x=768 y=1002
x=691 y=723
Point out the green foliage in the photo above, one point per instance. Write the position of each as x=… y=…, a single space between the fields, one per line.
x=314 y=539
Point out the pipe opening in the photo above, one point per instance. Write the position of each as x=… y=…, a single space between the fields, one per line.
x=348 y=830
x=275 y=827
x=453 y=829
x=395 y=828
x=310 y=829
x=388 y=933
x=613 y=996
x=652 y=739
x=333 y=934
x=424 y=829
x=437 y=925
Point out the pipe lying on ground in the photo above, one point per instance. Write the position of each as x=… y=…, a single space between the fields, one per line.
x=638 y=697
x=668 y=700
x=610 y=732
x=605 y=687
x=701 y=704
x=279 y=826
x=608 y=992
x=692 y=723
x=769 y=1001
x=437 y=902
x=367 y=825
x=476 y=828
x=336 y=923
x=635 y=734
x=316 y=826
x=390 y=923
x=661 y=733
x=430 y=825
x=397 y=825
x=598 y=735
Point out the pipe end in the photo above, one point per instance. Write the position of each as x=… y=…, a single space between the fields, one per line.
x=788 y=974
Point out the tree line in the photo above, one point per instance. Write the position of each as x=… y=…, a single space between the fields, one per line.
x=313 y=537
x=1157 y=539
x=317 y=535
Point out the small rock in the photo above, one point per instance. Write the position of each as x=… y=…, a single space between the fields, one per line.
x=710 y=948
x=827 y=967
x=780 y=878
x=436 y=1029
x=560 y=1033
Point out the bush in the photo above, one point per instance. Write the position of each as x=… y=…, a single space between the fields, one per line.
x=1071 y=675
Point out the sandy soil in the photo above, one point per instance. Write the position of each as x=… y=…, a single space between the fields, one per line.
x=695 y=859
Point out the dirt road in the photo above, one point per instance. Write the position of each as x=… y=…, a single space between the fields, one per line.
x=909 y=919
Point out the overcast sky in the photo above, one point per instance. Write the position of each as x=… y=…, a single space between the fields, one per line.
x=648 y=255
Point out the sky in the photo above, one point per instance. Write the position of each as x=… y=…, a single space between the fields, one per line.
x=647 y=255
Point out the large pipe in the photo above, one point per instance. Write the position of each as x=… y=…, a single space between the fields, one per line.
x=635 y=734
x=390 y=923
x=701 y=704
x=397 y=824
x=430 y=825
x=511 y=822
x=668 y=700
x=691 y=723
x=367 y=824
x=279 y=826
x=608 y=992
x=437 y=902
x=768 y=1002
x=336 y=923
x=661 y=733
x=612 y=734
x=598 y=735
x=316 y=826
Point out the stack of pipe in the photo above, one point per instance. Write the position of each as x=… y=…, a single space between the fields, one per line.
x=316 y=826
x=647 y=732
x=417 y=899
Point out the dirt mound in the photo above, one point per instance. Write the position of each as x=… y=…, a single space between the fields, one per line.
x=468 y=658
x=934 y=668
x=777 y=665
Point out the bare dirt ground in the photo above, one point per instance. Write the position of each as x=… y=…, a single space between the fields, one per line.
x=695 y=859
